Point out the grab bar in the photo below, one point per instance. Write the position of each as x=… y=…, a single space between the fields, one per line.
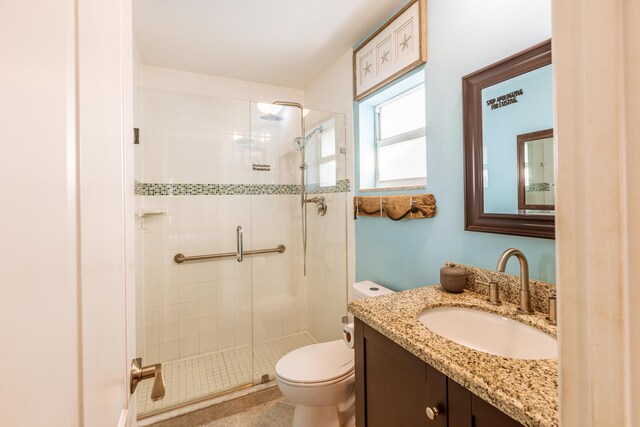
x=239 y=249
x=180 y=258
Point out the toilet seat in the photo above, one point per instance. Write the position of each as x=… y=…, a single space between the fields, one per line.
x=316 y=364
x=316 y=385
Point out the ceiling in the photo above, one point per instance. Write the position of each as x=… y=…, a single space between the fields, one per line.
x=280 y=42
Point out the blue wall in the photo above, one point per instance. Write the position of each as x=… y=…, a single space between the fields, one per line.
x=463 y=36
x=501 y=127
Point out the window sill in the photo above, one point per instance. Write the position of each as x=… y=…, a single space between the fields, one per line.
x=402 y=187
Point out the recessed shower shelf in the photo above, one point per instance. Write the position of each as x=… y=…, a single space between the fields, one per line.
x=144 y=212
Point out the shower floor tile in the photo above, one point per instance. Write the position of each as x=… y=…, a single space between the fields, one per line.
x=199 y=376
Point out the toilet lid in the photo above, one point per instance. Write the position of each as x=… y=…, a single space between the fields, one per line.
x=316 y=363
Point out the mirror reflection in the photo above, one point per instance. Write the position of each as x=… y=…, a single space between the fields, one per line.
x=518 y=112
x=536 y=186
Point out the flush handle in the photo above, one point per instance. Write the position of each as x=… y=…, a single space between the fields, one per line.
x=139 y=373
x=432 y=413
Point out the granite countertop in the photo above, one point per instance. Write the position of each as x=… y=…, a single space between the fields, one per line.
x=526 y=390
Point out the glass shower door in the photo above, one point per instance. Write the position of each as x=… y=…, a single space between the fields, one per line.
x=194 y=317
x=326 y=278
x=287 y=312
x=279 y=297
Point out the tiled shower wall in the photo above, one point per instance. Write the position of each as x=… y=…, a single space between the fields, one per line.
x=191 y=133
x=201 y=307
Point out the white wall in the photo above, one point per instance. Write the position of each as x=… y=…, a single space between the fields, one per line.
x=331 y=241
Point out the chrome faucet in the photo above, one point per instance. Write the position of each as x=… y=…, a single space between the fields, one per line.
x=525 y=295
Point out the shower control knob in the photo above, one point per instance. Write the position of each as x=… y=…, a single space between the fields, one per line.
x=432 y=413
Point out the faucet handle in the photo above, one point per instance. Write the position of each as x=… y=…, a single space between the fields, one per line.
x=553 y=311
x=494 y=293
x=482 y=282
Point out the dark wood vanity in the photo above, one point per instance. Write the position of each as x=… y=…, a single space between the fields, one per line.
x=394 y=388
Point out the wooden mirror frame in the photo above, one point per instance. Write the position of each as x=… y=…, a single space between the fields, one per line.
x=522 y=141
x=475 y=218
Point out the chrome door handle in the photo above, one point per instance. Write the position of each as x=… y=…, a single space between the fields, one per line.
x=139 y=373
x=239 y=249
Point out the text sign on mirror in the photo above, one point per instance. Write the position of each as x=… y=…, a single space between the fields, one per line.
x=504 y=100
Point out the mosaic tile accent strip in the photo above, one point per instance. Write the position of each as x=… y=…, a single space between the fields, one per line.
x=542 y=186
x=157 y=189
x=342 y=186
x=252 y=189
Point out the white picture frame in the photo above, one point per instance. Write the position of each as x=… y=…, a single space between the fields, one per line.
x=399 y=46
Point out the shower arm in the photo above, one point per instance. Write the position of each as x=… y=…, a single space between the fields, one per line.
x=320 y=202
x=302 y=166
x=303 y=195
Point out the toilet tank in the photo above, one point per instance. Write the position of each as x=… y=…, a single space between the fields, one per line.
x=368 y=289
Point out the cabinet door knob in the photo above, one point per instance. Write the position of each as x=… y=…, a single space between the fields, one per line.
x=432 y=413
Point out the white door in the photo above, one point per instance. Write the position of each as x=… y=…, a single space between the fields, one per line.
x=105 y=149
x=66 y=267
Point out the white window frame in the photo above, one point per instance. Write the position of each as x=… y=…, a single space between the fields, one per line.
x=407 y=136
x=326 y=126
x=330 y=158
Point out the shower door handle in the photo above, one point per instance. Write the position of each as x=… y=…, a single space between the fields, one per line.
x=239 y=248
x=139 y=373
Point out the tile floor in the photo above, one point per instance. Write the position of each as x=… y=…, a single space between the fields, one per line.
x=199 y=376
x=278 y=413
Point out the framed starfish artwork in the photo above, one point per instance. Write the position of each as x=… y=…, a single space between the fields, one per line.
x=396 y=48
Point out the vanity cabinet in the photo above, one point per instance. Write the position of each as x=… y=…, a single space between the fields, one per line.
x=394 y=388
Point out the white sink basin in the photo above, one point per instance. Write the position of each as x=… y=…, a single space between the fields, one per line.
x=490 y=333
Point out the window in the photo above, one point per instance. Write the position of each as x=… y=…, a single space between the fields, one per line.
x=400 y=142
x=391 y=137
x=321 y=153
x=327 y=158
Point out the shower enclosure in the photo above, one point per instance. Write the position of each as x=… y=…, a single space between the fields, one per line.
x=221 y=177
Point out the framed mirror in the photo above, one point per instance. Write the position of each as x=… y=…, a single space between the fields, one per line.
x=536 y=186
x=509 y=146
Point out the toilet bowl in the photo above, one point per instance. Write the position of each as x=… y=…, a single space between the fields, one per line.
x=319 y=378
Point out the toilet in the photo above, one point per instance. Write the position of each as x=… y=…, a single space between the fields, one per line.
x=319 y=378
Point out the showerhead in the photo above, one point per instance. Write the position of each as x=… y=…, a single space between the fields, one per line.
x=300 y=143
x=313 y=132
x=272 y=117
x=271 y=112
